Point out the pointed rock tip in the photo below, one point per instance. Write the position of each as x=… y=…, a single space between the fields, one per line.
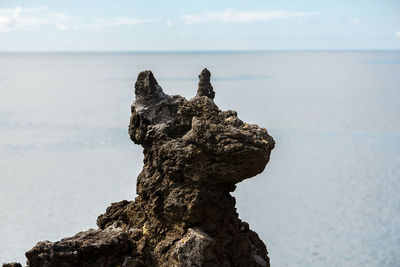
x=205 y=88
x=146 y=85
x=205 y=74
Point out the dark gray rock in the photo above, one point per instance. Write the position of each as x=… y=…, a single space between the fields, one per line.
x=184 y=215
x=205 y=88
x=12 y=264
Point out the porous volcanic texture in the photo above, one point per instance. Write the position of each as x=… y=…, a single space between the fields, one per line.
x=184 y=215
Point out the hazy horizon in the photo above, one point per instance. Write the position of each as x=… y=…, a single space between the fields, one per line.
x=205 y=51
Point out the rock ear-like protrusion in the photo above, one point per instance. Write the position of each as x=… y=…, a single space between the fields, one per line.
x=205 y=88
x=147 y=88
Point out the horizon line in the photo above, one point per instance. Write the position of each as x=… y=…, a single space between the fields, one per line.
x=198 y=51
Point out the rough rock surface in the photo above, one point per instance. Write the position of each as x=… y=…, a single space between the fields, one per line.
x=12 y=264
x=184 y=215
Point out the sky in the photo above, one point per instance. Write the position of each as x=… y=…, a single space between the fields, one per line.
x=216 y=25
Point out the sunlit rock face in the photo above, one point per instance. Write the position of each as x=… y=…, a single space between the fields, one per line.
x=184 y=215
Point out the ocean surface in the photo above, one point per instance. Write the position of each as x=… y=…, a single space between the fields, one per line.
x=330 y=195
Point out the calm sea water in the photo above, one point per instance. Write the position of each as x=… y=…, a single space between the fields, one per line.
x=329 y=196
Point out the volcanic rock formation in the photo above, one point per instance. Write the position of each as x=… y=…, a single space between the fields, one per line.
x=184 y=215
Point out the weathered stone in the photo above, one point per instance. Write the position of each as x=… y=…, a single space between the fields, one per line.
x=12 y=264
x=108 y=247
x=184 y=215
x=205 y=88
x=193 y=249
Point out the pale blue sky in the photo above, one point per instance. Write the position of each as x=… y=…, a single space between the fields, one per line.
x=198 y=25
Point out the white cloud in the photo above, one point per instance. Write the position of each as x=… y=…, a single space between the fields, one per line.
x=23 y=19
x=26 y=19
x=61 y=26
x=355 y=20
x=100 y=24
x=398 y=34
x=244 y=16
x=168 y=23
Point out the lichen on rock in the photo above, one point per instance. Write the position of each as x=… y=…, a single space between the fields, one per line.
x=183 y=214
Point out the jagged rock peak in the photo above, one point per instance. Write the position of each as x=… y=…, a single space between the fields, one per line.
x=205 y=88
x=147 y=88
